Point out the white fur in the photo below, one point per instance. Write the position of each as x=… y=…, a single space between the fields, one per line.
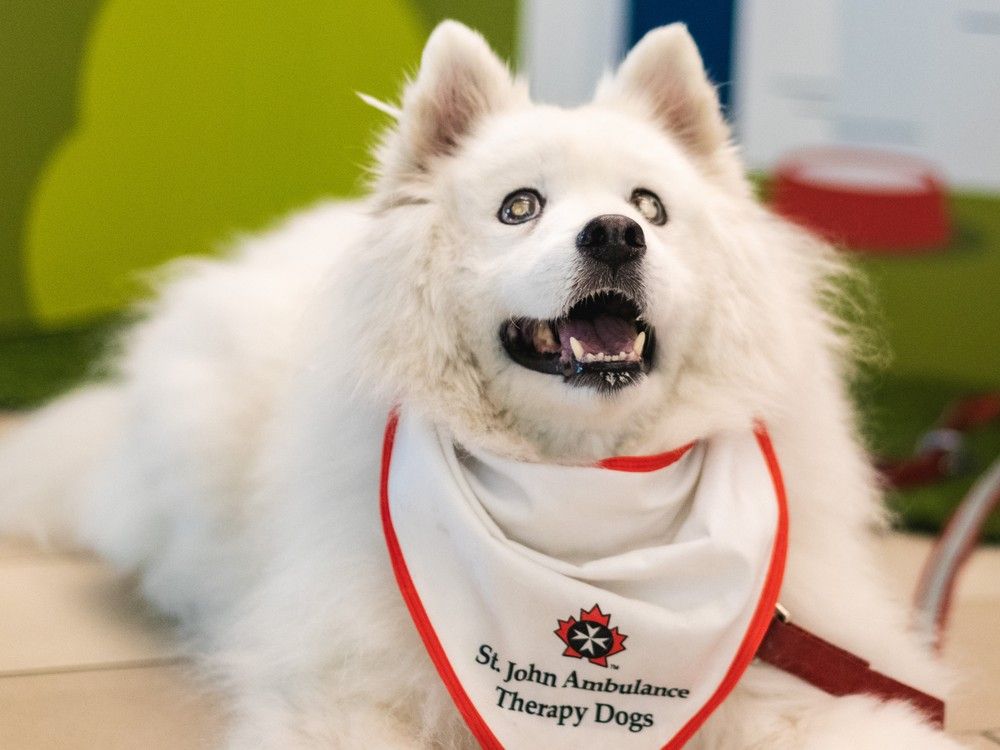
x=234 y=462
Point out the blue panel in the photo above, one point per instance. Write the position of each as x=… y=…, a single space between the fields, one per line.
x=710 y=22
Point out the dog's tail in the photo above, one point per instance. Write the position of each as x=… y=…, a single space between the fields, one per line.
x=46 y=463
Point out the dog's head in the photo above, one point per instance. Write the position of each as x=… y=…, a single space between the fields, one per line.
x=569 y=283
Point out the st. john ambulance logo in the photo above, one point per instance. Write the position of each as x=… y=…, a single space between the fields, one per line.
x=590 y=637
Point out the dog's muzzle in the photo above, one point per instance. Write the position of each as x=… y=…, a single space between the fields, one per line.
x=602 y=342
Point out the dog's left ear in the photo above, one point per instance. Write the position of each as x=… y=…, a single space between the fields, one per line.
x=665 y=77
x=460 y=81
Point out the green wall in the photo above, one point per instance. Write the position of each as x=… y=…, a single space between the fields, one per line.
x=941 y=311
x=40 y=48
x=137 y=131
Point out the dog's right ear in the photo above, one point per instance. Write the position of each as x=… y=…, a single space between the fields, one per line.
x=664 y=78
x=665 y=73
x=460 y=81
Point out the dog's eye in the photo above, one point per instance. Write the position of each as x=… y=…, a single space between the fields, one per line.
x=521 y=206
x=649 y=205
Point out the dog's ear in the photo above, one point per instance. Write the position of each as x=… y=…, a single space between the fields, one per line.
x=460 y=80
x=665 y=76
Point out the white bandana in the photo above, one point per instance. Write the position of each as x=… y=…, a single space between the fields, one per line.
x=616 y=604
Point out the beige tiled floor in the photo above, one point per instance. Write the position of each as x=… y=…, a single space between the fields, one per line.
x=972 y=643
x=84 y=664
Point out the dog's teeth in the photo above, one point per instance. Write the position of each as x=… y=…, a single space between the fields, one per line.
x=622 y=355
x=588 y=357
x=577 y=348
x=640 y=342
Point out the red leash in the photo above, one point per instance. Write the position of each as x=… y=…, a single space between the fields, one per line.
x=838 y=672
x=941 y=454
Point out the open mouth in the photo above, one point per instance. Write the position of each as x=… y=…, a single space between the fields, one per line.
x=601 y=342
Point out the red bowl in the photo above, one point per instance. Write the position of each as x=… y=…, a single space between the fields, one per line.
x=864 y=199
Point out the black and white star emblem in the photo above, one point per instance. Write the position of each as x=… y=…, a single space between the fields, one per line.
x=590 y=639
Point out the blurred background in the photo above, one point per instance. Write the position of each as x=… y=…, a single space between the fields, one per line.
x=134 y=132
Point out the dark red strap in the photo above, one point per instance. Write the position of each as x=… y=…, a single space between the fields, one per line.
x=836 y=671
x=973 y=412
x=926 y=467
x=942 y=452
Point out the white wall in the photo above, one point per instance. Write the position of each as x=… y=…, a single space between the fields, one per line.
x=567 y=44
x=919 y=76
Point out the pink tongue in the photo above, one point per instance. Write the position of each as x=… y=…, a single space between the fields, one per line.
x=605 y=333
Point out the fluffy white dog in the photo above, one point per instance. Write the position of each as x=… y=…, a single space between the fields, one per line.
x=234 y=462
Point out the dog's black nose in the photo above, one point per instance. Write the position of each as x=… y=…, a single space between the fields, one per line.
x=612 y=239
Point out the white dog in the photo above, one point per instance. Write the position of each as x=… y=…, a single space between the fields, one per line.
x=235 y=461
